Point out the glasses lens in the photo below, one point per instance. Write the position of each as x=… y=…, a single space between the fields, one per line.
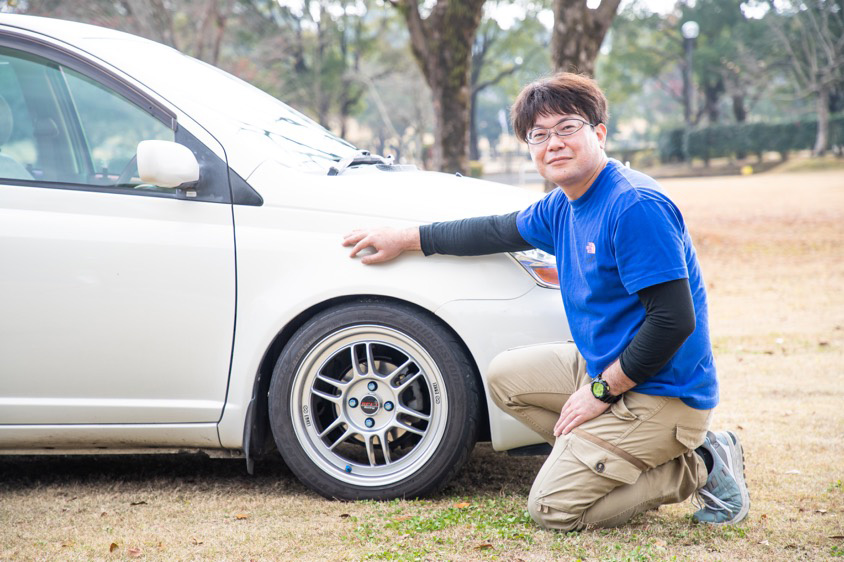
x=538 y=135
x=568 y=127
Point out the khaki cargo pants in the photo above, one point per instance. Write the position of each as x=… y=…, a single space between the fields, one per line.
x=635 y=456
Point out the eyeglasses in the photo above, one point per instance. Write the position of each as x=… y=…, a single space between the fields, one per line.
x=564 y=128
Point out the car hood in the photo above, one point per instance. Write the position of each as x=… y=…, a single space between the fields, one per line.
x=413 y=196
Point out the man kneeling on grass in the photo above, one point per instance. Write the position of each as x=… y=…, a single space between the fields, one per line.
x=627 y=406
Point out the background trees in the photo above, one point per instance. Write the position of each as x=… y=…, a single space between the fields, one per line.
x=427 y=80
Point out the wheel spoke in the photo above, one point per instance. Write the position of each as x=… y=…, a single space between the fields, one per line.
x=385 y=447
x=401 y=409
x=395 y=372
x=348 y=433
x=370 y=362
x=326 y=396
x=355 y=362
x=404 y=384
x=406 y=427
x=370 y=450
x=333 y=382
x=331 y=427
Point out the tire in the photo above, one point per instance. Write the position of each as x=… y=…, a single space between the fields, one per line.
x=344 y=440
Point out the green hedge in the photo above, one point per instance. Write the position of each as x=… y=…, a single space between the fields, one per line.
x=744 y=138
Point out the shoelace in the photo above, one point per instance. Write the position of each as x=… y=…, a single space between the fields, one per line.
x=700 y=501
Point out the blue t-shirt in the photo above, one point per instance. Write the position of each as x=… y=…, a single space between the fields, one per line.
x=619 y=237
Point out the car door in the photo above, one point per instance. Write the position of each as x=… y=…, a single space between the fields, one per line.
x=117 y=298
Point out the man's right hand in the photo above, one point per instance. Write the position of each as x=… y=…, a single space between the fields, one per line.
x=388 y=242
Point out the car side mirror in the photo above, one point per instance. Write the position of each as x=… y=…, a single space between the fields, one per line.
x=168 y=164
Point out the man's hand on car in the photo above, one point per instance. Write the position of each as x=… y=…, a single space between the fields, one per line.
x=388 y=243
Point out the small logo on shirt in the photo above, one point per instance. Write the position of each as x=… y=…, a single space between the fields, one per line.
x=590 y=248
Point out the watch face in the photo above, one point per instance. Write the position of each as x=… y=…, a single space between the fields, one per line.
x=598 y=389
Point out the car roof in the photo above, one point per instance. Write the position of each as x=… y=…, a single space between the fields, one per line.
x=71 y=32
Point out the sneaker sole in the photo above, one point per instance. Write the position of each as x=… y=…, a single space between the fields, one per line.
x=737 y=459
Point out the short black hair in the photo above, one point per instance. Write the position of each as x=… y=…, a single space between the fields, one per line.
x=562 y=93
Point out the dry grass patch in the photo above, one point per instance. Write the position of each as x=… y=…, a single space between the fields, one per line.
x=772 y=249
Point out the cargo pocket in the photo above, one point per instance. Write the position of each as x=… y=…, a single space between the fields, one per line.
x=690 y=437
x=604 y=458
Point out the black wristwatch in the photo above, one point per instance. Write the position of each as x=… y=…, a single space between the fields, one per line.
x=601 y=391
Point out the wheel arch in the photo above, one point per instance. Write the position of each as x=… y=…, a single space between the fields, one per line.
x=258 y=439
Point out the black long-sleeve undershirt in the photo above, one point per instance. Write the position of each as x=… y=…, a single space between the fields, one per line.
x=473 y=237
x=669 y=309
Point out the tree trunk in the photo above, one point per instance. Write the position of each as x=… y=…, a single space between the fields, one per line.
x=822 y=140
x=578 y=34
x=442 y=45
x=739 y=109
x=711 y=96
x=474 y=150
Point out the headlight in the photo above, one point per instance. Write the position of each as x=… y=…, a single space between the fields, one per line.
x=542 y=266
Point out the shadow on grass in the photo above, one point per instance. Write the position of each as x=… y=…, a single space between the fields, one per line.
x=487 y=473
x=491 y=472
x=198 y=469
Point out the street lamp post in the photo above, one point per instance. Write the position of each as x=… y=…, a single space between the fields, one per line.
x=690 y=31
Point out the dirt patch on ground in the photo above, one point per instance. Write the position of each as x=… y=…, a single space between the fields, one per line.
x=772 y=250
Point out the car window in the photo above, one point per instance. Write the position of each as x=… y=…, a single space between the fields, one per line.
x=59 y=126
x=268 y=127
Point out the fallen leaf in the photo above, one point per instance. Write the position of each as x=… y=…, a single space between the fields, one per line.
x=836 y=536
x=344 y=515
x=823 y=343
x=740 y=359
x=768 y=352
x=403 y=518
x=793 y=471
x=240 y=516
x=484 y=546
x=112 y=547
x=739 y=427
x=134 y=552
x=195 y=541
x=763 y=516
x=659 y=543
x=103 y=514
x=791 y=546
x=66 y=544
x=765 y=542
x=821 y=511
x=138 y=503
x=461 y=505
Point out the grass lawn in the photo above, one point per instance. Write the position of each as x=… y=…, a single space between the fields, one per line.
x=772 y=250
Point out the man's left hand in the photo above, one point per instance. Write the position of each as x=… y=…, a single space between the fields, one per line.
x=580 y=407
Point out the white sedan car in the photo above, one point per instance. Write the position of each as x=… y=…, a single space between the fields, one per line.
x=190 y=292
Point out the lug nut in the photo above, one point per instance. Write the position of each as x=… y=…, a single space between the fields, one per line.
x=369 y=422
x=348 y=468
x=388 y=406
x=372 y=386
x=353 y=402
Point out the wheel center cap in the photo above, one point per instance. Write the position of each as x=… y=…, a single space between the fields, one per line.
x=369 y=405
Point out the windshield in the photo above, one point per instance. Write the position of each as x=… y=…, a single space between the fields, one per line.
x=269 y=125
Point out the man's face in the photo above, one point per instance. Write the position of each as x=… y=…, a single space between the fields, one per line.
x=570 y=161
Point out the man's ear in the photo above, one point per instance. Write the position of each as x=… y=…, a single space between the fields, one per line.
x=601 y=132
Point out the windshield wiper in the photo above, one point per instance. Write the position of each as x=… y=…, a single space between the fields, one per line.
x=360 y=158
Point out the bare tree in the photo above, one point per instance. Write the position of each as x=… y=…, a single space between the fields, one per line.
x=154 y=19
x=812 y=36
x=442 y=46
x=578 y=33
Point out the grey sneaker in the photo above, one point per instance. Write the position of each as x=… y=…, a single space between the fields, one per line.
x=724 y=498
